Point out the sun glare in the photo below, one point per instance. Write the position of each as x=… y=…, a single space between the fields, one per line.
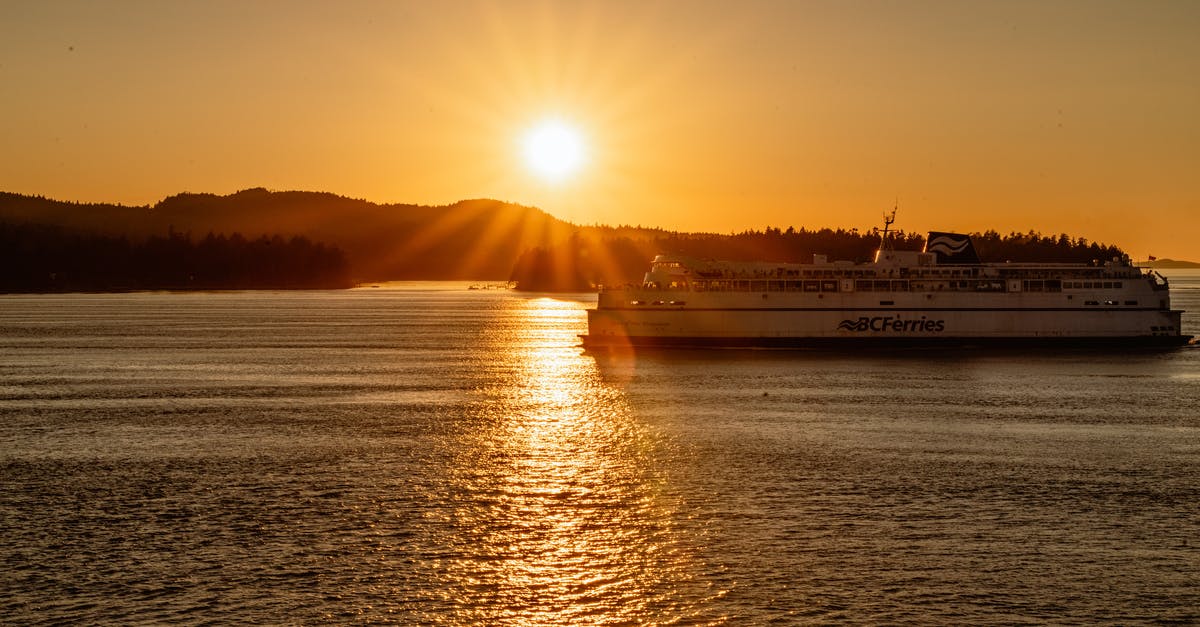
x=554 y=150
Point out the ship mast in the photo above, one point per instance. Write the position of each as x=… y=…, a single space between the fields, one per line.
x=885 y=242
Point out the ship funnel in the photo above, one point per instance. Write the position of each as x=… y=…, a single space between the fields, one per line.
x=951 y=248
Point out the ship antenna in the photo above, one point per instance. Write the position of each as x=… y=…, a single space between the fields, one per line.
x=886 y=241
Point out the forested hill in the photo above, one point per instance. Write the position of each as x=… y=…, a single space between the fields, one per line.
x=361 y=241
x=471 y=239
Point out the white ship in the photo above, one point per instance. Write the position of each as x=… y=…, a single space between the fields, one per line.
x=941 y=295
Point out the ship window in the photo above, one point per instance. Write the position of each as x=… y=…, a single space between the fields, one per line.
x=862 y=285
x=1053 y=285
x=887 y=302
x=1116 y=285
x=1090 y=302
x=882 y=286
x=812 y=286
x=828 y=286
x=1131 y=302
x=1087 y=285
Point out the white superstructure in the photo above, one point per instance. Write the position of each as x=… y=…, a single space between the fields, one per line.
x=939 y=295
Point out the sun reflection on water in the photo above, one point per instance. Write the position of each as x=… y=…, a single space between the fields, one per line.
x=563 y=515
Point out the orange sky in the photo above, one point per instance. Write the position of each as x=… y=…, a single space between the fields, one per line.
x=1081 y=117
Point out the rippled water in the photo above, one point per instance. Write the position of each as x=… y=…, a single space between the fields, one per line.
x=427 y=454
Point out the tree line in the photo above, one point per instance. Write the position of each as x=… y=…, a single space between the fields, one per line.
x=1033 y=246
x=601 y=257
x=46 y=258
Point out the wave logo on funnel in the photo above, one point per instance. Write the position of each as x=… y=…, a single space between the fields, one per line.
x=952 y=248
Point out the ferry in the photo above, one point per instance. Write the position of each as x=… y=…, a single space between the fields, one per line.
x=941 y=295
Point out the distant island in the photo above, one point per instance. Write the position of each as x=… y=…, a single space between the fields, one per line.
x=261 y=239
x=1167 y=264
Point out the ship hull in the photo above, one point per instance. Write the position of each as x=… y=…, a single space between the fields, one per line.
x=795 y=343
x=800 y=328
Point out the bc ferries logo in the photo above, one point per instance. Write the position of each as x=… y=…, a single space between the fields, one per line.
x=893 y=324
x=947 y=244
x=951 y=247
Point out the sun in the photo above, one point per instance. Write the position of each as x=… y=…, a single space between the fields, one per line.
x=554 y=150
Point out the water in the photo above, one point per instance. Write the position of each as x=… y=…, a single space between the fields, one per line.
x=426 y=454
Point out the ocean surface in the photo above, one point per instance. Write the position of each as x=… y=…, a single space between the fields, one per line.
x=428 y=454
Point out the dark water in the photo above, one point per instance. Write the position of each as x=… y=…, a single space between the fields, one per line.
x=435 y=455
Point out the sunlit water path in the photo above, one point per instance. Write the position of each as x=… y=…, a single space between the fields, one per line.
x=427 y=454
